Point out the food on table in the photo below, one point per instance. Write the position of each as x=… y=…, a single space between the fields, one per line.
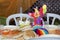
x=5 y=32
x=10 y=33
x=21 y=38
x=57 y=31
x=0 y=32
x=54 y=31
x=29 y=34
x=51 y=31
x=15 y=32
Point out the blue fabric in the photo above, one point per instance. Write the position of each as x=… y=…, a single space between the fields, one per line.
x=38 y=20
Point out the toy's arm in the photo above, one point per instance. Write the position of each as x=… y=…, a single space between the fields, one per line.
x=41 y=12
x=31 y=14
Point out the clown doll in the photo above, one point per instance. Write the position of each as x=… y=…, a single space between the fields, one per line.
x=38 y=14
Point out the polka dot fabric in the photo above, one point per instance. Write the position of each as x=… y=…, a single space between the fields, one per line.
x=53 y=6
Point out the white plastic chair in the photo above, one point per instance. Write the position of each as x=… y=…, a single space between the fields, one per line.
x=14 y=16
x=54 y=17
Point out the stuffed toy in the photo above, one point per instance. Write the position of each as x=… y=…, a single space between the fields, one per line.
x=38 y=14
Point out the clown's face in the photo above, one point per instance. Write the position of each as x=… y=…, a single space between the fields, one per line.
x=36 y=14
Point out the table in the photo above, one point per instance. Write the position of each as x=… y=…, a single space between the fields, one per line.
x=47 y=37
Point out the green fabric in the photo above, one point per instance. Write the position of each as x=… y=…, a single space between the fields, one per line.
x=57 y=22
x=2 y=21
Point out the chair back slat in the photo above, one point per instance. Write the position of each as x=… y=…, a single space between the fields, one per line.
x=14 y=16
x=54 y=17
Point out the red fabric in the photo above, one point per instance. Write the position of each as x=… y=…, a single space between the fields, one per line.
x=39 y=32
x=41 y=12
x=35 y=19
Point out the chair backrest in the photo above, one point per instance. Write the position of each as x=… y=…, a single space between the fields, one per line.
x=54 y=17
x=14 y=16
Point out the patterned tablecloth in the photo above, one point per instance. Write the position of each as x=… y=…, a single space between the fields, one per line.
x=46 y=37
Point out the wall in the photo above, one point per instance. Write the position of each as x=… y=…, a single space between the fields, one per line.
x=8 y=7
